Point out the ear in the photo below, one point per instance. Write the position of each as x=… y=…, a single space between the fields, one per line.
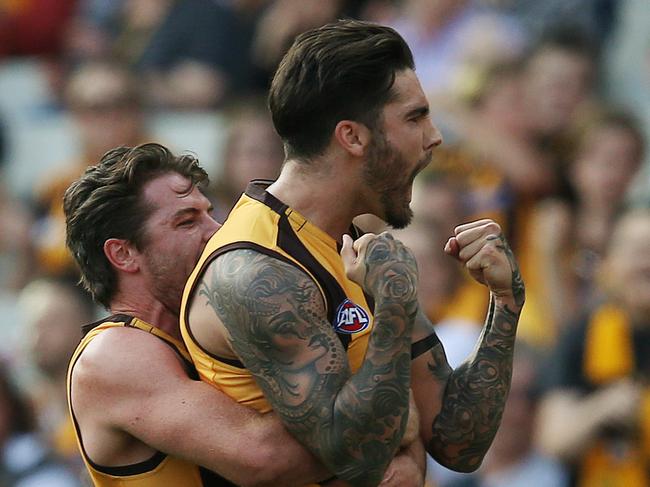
x=353 y=137
x=122 y=255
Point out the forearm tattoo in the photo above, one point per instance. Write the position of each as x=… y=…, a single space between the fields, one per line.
x=476 y=392
x=276 y=319
x=518 y=289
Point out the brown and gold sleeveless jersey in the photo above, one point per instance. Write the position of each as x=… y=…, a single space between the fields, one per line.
x=160 y=470
x=261 y=222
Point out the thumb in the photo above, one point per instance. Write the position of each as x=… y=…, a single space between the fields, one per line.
x=348 y=253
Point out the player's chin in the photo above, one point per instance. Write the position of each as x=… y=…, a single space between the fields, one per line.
x=401 y=219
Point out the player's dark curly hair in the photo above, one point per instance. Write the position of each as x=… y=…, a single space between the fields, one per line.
x=106 y=202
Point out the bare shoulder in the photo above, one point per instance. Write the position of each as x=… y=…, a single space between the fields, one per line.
x=118 y=364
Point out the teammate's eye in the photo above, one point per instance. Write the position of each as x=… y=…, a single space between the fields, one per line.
x=186 y=223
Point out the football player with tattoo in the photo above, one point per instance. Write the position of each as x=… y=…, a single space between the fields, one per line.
x=136 y=224
x=290 y=309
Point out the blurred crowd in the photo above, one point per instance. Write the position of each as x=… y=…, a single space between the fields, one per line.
x=544 y=107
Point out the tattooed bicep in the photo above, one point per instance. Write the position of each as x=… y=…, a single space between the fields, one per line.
x=270 y=308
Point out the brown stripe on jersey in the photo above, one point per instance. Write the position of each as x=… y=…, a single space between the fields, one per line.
x=207 y=262
x=211 y=479
x=117 y=318
x=256 y=189
x=424 y=345
x=133 y=469
x=292 y=245
x=334 y=294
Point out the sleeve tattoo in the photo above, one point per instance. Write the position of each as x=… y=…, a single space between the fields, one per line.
x=275 y=316
x=475 y=393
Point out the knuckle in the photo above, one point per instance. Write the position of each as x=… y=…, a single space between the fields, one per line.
x=464 y=255
x=489 y=249
x=494 y=227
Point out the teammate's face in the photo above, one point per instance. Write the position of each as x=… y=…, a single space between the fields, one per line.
x=176 y=233
x=401 y=148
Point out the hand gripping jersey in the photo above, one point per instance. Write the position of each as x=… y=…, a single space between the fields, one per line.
x=261 y=222
x=160 y=470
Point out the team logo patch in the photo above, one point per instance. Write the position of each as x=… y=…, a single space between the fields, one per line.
x=351 y=318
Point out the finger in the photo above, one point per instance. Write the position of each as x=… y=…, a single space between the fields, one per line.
x=362 y=242
x=468 y=251
x=478 y=232
x=451 y=247
x=348 y=253
x=474 y=224
x=473 y=248
x=476 y=265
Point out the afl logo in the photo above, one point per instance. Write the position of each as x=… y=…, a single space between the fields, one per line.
x=351 y=318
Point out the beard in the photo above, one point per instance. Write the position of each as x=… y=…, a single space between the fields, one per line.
x=167 y=281
x=384 y=174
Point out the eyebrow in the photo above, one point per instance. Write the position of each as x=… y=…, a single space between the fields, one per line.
x=418 y=111
x=184 y=212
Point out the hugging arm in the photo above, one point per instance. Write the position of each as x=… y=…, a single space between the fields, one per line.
x=116 y=391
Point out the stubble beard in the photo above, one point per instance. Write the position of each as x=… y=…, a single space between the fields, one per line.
x=166 y=285
x=383 y=173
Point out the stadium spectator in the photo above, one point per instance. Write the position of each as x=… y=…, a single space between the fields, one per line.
x=448 y=35
x=33 y=28
x=25 y=461
x=572 y=236
x=596 y=413
x=252 y=150
x=198 y=53
x=105 y=103
x=44 y=304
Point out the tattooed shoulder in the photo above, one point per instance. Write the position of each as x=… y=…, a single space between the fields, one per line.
x=246 y=287
x=275 y=315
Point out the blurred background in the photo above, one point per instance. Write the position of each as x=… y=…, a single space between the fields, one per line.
x=544 y=108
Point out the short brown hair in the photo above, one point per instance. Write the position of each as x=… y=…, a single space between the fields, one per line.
x=343 y=70
x=106 y=202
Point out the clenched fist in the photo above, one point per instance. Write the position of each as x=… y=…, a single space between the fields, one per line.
x=383 y=266
x=483 y=249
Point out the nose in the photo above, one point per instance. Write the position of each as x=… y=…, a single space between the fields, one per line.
x=210 y=227
x=432 y=138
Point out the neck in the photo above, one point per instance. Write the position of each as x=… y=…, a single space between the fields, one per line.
x=328 y=197
x=147 y=309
